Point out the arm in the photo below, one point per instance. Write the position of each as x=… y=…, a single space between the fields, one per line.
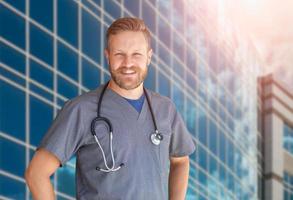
x=178 y=178
x=38 y=173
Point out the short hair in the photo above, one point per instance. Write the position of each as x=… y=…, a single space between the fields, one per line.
x=128 y=24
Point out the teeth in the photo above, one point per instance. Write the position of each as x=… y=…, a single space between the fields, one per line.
x=129 y=72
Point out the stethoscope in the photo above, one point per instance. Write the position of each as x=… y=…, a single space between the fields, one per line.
x=155 y=137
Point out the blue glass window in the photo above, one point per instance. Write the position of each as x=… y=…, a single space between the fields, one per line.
x=213 y=168
x=132 y=6
x=230 y=155
x=213 y=137
x=41 y=116
x=230 y=182
x=91 y=37
x=41 y=74
x=178 y=68
x=12 y=112
x=178 y=46
x=12 y=58
x=15 y=78
x=19 y=5
x=150 y=81
x=164 y=8
x=92 y=6
x=112 y=8
x=164 y=55
x=91 y=75
x=191 y=116
x=13 y=24
x=191 y=81
x=41 y=44
x=202 y=178
x=178 y=97
x=164 y=32
x=164 y=85
x=288 y=138
x=40 y=91
x=178 y=12
x=191 y=60
x=67 y=21
x=66 y=88
x=67 y=61
x=66 y=180
x=10 y=188
x=202 y=127
x=12 y=157
x=202 y=157
x=42 y=12
x=288 y=186
x=222 y=146
x=149 y=16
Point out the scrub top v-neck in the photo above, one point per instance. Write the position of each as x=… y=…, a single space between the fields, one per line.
x=146 y=166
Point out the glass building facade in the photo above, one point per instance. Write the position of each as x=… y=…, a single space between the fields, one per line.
x=288 y=146
x=288 y=186
x=52 y=50
x=288 y=139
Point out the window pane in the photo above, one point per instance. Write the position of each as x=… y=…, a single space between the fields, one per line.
x=12 y=157
x=13 y=24
x=150 y=81
x=149 y=16
x=12 y=58
x=41 y=116
x=91 y=37
x=164 y=85
x=202 y=125
x=67 y=61
x=90 y=75
x=20 y=5
x=67 y=21
x=66 y=88
x=42 y=12
x=12 y=112
x=132 y=6
x=66 y=180
x=41 y=74
x=11 y=189
x=41 y=45
x=112 y=8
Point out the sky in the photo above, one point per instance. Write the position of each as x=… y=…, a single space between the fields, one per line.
x=270 y=23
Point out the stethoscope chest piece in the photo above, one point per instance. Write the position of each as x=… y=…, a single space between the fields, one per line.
x=156 y=138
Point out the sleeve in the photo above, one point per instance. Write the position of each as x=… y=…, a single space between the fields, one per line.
x=181 y=143
x=63 y=138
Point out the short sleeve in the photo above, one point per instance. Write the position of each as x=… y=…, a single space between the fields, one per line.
x=181 y=143
x=63 y=138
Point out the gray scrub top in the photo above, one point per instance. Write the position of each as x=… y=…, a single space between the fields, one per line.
x=146 y=166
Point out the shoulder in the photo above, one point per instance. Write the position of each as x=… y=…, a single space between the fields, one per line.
x=162 y=102
x=84 y=100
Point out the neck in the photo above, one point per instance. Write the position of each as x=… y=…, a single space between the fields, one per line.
x=129 y=94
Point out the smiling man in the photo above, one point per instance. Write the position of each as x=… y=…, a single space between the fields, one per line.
x=130 y=142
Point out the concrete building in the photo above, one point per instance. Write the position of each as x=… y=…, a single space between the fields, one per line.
x=277 y=131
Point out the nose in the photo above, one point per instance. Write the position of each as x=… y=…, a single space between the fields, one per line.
x=127 y=61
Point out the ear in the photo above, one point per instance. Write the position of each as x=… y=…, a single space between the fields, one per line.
x=149 y=56
x=106 y=53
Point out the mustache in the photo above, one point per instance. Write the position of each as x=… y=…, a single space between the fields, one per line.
x=124 y=69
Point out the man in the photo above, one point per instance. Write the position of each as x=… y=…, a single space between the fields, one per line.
x=139 y=148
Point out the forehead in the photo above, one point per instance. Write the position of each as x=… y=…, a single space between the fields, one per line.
x=127 y=40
